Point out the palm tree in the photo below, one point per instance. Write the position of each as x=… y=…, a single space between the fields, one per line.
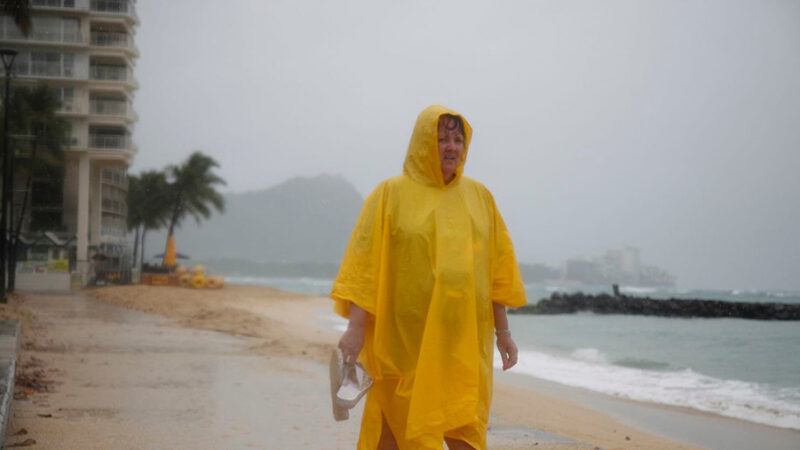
x=136 y=202
x=193 y=191
x=148 y=208
x=35 y=116
x=20 y=10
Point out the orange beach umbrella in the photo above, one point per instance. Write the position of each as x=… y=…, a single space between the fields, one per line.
x=171 y=255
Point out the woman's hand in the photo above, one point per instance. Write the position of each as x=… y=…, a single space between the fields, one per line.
x=353 y=338
x=506 y=345
x=351 y=342
x=508 y=350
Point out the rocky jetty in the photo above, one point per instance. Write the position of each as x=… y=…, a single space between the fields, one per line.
x=673 y=307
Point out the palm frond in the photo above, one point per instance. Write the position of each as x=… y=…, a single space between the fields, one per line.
x=192 y=187
x=21 y=12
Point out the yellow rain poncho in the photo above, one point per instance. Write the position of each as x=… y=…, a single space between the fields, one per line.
x=426 y=260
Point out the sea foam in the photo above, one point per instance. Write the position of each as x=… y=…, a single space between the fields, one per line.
x=590 y=369
x=302 y=285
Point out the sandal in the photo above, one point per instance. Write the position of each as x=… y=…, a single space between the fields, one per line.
x=349 y=383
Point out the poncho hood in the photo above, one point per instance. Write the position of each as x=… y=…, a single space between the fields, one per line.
x=422 y=162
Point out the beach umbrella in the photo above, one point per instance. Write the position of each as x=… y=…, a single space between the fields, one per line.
x=178 y=255
x=171 y=257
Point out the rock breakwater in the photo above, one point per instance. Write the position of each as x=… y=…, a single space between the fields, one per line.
x=559 y=303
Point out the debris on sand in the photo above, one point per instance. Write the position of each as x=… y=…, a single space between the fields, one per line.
x=26 y=443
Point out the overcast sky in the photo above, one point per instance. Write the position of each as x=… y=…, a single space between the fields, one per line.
x=672 y=126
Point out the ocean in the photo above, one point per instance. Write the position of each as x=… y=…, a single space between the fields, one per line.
x=738 y=368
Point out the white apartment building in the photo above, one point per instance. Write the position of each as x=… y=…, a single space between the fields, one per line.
x=85 y=50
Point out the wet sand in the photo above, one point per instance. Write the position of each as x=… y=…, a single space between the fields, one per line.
x=116 y=378
x=241 y=367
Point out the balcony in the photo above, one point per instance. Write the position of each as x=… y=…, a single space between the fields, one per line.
x=114 y=206
x=110 y=142
x=41 y=31
x=118 y=108
x=116 y=178
x=44 y=69
x=73 y=106
x=114 y=229
x=112 y=219
x=123 y=8
x=111 y=39
x=72 y=5
x=110 y=73
x=65 y=37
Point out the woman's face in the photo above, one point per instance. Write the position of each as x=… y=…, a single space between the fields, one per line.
x=451 y=147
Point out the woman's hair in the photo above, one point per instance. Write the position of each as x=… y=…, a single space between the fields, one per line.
x=452 y=122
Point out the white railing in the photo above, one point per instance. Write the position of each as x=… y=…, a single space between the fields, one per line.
x=109 y=73
x=66 y=4
x=49 y=70
x=109 y=107
x=45 y=69
x=114 y=206
x=120 y=182
x=72 y=106
x=114 y=176
x=113 y=230
x=110 y=39
x=109 y=141
x=41 y=31
x=65 y=37
x=122 y=7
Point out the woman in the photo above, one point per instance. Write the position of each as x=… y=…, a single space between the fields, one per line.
x=424 y=282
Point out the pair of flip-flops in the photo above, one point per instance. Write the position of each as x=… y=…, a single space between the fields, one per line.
x=349 y=383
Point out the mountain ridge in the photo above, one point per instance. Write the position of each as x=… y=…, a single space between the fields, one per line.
x=297 y=220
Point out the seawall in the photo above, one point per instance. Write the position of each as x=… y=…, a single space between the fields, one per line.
x=673 y=307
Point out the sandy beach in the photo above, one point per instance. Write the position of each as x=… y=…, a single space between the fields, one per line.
x=241 y=367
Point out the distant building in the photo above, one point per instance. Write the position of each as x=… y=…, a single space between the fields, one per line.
x=623 y=265
x=85 y=50
x=584 y=271
x=617 y=266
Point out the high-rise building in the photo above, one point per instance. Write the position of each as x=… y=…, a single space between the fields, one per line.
x=84 y=50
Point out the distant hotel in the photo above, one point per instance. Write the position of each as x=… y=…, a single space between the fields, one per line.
x=617 y=266
x=85 y=51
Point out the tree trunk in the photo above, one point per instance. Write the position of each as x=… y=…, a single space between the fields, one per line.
x=14 y=246
x=12 y=274
x=141 y=257
x=173 y=220
x=176 y=213
x=135 y=246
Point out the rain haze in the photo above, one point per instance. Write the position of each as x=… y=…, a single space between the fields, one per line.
x=671 y=126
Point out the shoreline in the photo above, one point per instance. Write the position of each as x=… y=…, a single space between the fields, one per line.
x=681 y=424
x=593 y=419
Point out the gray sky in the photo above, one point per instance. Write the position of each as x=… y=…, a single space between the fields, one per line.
x=673 y=126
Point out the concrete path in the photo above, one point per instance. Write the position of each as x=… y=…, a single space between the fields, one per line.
x=9 y=347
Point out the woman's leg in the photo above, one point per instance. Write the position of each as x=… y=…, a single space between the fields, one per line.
x=455 y=444
x=387 y=441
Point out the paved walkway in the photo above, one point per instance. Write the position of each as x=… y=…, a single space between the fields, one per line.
x=9 y=347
